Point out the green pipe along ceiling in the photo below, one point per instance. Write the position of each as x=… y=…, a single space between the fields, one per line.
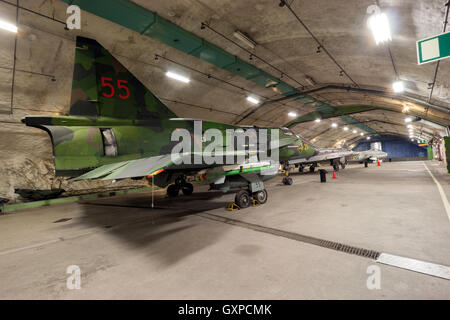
x=138 y=19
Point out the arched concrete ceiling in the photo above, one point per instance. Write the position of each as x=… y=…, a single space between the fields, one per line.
x=44 y=46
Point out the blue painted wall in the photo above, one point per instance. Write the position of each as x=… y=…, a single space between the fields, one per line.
x=396 y=147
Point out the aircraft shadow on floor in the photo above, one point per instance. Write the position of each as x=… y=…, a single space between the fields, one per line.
x=167 y=233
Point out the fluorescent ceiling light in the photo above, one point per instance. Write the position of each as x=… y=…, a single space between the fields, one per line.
x=408 y=120
x=292 y=114
x=177 y=76
x=379 y=24
x=334 y=125
x=245 y=39
x=354 y=131
x=398 y=87
x=317 y=120
x=345 y=128
x=409 y=126
x=368 y=138
x=412 y=140
x=8 y=26
x=252 y=100
x=362 y=134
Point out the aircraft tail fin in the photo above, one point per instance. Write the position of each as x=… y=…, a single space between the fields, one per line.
x=103 y=87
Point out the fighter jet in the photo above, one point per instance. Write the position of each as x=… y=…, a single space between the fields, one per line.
x=368 y=156
x=117 y=129
x=335 y=156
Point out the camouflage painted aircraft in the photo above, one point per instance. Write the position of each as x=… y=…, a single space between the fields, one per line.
x=335 y=156
x=117 y=129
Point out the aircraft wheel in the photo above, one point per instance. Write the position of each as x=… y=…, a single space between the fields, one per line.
x=287 y=181
x=300 y=169
x=173 y=190
x=187 y=189
x=242 y=199
x=343 y=165
x=336 y=166
x=260 y=196
x=312 y=169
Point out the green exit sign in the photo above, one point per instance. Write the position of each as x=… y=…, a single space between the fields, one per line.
x=433 y=48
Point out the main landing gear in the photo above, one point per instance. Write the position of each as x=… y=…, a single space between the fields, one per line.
x=180 y=184
x=245 y=198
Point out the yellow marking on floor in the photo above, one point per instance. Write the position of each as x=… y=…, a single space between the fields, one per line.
x=441 y=192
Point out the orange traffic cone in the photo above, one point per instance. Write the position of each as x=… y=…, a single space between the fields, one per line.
x=334 y=175
x=379 y=163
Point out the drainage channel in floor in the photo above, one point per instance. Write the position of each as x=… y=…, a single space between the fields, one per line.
x=415 y=265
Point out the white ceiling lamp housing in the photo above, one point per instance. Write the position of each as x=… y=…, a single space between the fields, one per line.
x=378 y=23
x=405 y=109
x=252 y=100
x=368 y=138
x=292 y=114
x=317 y=120
x=8 y=26
x=361 y=134
x=334 y=125
x=345 y=128
x=354 y=131
x=398 y=86
x=244 y=39
x=408 y=120
x=177 y=76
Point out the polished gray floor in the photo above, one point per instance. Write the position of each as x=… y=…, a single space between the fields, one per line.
x=124 y=249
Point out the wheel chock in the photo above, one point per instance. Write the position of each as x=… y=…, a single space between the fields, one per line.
x=255 y=203
x=233 y=207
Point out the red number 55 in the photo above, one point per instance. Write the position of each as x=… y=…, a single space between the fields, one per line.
x=106 y=82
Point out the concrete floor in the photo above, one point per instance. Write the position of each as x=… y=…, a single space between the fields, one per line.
x=127 y=251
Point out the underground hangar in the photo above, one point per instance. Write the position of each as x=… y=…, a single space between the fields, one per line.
x=206 y=149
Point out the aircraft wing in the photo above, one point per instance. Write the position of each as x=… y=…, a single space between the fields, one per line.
x=325 y=156
x=133 y=168
x=149 y=166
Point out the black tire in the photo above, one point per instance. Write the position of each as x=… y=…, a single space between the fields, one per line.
x=173 y=190
x=287 y=181
x=187 y=189
x=312 y=169
x=260 y=196
x=243 y=199
x=336 y=166
x=343 y=165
